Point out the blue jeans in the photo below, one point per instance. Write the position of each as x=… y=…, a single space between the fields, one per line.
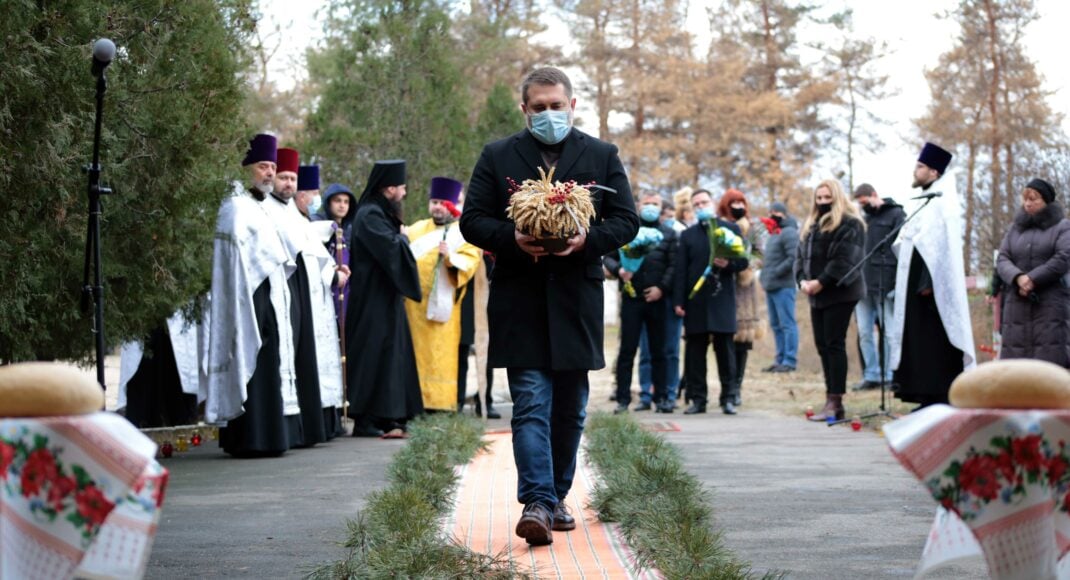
x=674 y=327
x=549 y=408
x=781 y=304
x=868 y=314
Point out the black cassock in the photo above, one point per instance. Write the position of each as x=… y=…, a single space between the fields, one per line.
x=929 y=362
x=262 y=430
x=154 y=396
x=382 y=379
x=305 y=365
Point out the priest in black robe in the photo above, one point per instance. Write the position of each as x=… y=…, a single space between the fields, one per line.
x=383 y=385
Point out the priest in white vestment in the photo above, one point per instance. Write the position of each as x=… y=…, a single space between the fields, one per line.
x=250 y=358
x=931 y=337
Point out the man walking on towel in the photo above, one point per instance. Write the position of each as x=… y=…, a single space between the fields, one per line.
x=545 y=311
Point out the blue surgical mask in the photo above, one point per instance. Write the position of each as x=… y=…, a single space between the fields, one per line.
x=669 y=222
x=315 y=204
x=650 y=213
x=550 y=127
x=704 y=215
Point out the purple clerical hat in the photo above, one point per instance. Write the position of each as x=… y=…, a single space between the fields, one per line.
x=445 y=189
x=262 y=147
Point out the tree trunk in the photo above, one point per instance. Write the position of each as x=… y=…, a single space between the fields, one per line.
x=971 y=207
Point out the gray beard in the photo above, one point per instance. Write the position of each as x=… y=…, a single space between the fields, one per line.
x=264 y=188
x=440 y=221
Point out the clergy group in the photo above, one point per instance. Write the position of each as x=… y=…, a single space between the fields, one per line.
x=322 y=307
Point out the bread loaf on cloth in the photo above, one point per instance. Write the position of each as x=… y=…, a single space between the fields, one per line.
x=41 y=389
x=1012 y=384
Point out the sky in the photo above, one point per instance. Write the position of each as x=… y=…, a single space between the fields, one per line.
x=915 y=36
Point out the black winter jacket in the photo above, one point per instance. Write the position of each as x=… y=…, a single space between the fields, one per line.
x=658 y=265
x=880 y=268
x=827 y=257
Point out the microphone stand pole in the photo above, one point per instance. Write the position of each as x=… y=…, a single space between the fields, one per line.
x=883 y=326
x=92 y=241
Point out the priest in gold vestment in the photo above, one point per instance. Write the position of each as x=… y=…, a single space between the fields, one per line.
x=446 y=263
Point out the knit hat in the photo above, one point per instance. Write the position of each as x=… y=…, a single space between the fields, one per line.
x=1046 y=191
x=778 y=207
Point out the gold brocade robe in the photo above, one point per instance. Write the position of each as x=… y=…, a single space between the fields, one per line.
x=436 y=344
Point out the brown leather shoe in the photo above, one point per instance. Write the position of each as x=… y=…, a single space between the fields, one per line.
x=535 y=525
x=563 y=521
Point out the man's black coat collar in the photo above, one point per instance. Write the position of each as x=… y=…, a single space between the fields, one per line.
x=575 y=144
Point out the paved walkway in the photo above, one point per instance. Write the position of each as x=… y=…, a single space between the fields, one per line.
x=807 y=499
x=264 y=518
x=486 y=514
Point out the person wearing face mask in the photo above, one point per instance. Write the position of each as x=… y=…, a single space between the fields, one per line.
x=709 y=315
x=545 y=310
x=674 y=326
x=832 y=242
x=882 y=216
x=308 y=190
x=749 y=301
x=1034 y=260
x=779 y=285
x=646 y=311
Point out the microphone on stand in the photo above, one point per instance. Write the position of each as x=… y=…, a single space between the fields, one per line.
x=103 y=54
x=928 y=195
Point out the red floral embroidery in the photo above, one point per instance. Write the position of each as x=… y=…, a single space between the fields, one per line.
x=1027 y=452
x=61 y=488
x=93 y=506
x=979 y=477
x=40 y=469
x=7 y=456
x=1006 y=472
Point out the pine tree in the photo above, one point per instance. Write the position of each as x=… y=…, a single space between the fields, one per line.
x=173 y=135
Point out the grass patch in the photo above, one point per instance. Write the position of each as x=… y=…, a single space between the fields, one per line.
x=663 y=510
x=399 y=532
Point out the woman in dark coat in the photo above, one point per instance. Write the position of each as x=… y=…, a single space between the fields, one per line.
x=1033 y=262
x=831 y=246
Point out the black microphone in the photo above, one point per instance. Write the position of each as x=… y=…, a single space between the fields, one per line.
x=928 y=195
x=103 y=53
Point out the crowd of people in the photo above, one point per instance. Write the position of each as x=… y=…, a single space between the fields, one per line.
x=903 y=282
x=330 y=307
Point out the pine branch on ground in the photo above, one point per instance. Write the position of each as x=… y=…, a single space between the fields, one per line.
x=399 y=532
x=663 y=511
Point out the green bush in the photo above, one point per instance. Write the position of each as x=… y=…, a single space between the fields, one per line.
x=173 y=134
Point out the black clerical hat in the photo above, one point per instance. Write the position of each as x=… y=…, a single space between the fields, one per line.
x=384 y=174
x=935 y=157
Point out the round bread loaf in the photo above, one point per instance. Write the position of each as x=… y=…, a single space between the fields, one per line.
x=40 y=389
x=1012 y=384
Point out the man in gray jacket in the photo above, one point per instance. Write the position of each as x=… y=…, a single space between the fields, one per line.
x=779 y=285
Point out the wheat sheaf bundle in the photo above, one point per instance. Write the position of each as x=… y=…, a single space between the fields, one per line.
x=548 y=209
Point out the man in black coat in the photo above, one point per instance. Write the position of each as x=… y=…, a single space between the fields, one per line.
x=652 y=283
x=710 y=316
x=883 y=216
x=546 y=311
